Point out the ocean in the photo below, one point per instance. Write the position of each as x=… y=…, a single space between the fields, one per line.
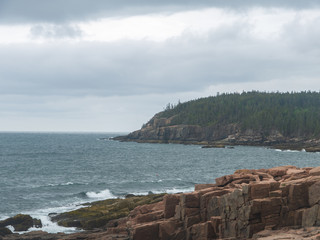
x=43 y=173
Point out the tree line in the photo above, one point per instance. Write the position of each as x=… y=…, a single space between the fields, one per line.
x=291 y=113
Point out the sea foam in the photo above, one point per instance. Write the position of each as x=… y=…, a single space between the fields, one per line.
x=105 y=194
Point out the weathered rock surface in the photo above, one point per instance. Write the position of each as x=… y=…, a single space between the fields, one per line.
x=276 y=203
x=238 y=206
x=160 y=131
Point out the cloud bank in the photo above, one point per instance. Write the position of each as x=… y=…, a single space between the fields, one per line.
x=16 y=11
x=60 y=72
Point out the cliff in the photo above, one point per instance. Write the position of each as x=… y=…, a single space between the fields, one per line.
x=231 y=134
x=277 y=203
x=218 y=136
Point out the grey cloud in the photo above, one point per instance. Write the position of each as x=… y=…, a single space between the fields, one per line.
x=188 y=63
x=16 y=11
x=55 y=31
x=303 y=37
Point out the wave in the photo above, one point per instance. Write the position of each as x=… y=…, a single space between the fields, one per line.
x=58 y=184
x=105 y=194
x=47 y=224
x=169 y=190
x=61 y=184
x=290 y=151
x=52 y=227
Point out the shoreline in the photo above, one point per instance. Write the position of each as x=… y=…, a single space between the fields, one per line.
x=311 y=145
x=52 y=227
x=250 y=203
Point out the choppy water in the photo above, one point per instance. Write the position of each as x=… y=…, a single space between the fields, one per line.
x=41 y=173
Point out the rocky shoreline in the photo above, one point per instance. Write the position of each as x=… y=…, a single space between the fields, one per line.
x=295 y=144
x=160 y=130
x=277 y=203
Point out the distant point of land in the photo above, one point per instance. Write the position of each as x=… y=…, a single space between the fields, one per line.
x=284 y=120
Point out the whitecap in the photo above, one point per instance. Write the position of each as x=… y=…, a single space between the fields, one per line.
x=11 y=228
x=47 y=224
x=178 y=190
x=60 y=184
x=3 y=217
x=66 y=184
x=170 y=191
x=292 y=151
x=105 y=194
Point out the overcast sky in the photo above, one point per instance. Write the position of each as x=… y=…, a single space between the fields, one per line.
x=109 y=66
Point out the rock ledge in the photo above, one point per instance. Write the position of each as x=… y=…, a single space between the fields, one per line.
x=276 y=203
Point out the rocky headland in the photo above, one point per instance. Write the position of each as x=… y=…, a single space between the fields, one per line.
x=277 y=120
x=277 y=203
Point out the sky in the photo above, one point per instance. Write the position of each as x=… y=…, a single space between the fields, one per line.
x=109 y=66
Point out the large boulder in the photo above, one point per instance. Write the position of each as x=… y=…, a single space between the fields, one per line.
x=21 y=222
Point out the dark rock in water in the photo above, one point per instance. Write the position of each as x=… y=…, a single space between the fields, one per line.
x=37 y=223
x=21 y=222
x=4 y=231
x=214 y=146
x=52 y=214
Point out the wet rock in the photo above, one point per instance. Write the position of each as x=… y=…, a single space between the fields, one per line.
x=4 y=231
x=21 y=222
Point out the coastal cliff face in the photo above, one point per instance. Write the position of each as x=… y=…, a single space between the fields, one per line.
x=277 y=203
x=160 y=130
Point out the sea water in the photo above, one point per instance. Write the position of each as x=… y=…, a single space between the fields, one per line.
x=43 y=173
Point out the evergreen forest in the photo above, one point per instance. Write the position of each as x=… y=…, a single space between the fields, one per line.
x=292 y=114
